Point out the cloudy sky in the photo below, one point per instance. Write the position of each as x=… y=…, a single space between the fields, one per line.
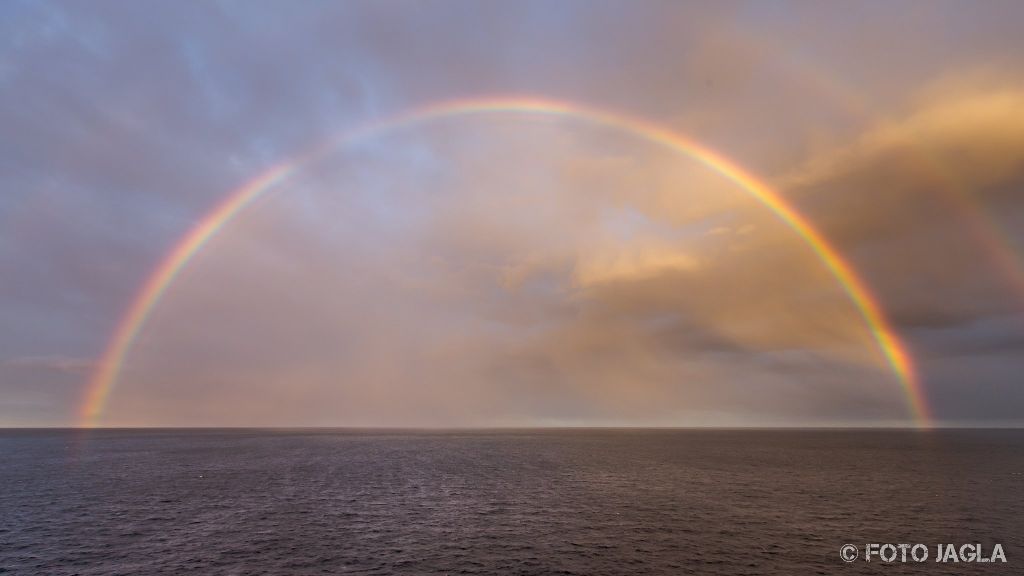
x=511 y=268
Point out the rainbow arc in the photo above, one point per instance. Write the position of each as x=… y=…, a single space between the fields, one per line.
x=105 y=377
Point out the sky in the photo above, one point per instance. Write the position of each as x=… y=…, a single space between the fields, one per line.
x=511 y=267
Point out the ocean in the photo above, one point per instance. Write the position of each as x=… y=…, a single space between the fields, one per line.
x=576 y=501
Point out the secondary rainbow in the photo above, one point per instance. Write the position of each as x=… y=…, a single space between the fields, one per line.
x=104 y=378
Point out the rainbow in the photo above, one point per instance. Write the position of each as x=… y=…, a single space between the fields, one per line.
x=105 y=377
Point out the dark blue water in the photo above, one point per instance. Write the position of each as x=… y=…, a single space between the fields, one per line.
x=587 y=502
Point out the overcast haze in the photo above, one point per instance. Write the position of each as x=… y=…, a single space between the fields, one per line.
x=512 y=269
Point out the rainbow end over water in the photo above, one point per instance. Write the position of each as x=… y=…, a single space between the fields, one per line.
x=105 y=377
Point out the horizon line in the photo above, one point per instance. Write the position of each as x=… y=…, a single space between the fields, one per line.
x=911 y=427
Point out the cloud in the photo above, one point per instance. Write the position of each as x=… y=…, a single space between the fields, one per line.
x=506 y=268
x=497 y=289
x=637 y=264
x=971 y=140
x=65 y=364
x=925 y=206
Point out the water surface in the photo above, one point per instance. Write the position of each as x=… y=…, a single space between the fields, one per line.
x=588 y=502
